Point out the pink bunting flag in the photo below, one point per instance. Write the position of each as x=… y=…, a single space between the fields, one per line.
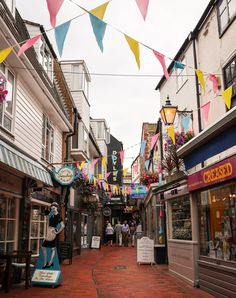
x=135 y=168
x=214 y=81
x=94 y=162
x=99 y=183
x=161 y=59
x=153 y=140
x=29 y=43
x=53 y=8
x=205 y=110
x=143 y=7
x=129 y=190
x=122 y=154
x=107 y=175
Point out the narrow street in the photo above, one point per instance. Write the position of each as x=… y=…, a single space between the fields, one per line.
x=112 y=272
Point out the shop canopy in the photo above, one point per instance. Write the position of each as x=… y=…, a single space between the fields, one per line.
x=215 y=139
x=19 y=161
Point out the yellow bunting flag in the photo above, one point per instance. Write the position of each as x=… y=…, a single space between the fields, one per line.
x=94 y=181
x=4 y=53
x=115 y=189
x=134 y=46
x=100 y=176
x=171 y=133
x=104 y=161
x=99 y=11
x=125 y=171
x=201 y=80
x=82 y=165
x=227 y=95
x=137 y=189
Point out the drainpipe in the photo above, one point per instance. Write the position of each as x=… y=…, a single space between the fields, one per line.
x=193 y=37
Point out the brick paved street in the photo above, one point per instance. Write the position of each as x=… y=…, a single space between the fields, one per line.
x=112 y=272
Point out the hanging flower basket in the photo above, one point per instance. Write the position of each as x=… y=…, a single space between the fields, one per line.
x=149 y=178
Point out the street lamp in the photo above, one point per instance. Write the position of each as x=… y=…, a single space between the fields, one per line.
x=168 y=112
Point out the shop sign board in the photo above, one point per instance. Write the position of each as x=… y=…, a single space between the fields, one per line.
x=95 y=242
x=220 y=172
x=65 y=175
x=107 y=211
x=145 y=250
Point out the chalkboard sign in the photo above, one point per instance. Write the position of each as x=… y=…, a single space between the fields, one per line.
x=65 y=249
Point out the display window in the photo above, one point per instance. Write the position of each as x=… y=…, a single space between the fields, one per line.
x=181 y=218
x=8 y=227
x=217 y=210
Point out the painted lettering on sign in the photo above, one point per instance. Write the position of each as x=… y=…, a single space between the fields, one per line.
x=217 y=173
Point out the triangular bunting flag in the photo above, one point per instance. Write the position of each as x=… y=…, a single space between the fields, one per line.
x=94 y=162
x=205 y=110
x=143 y=7
x=53 y=8
x=201 y=80
x=100 y=176
x=107 y=175
x=60 y=35
x=227 y=95
x=134 y=46
x=142 y=147
x=82 y=165
x=4 y=53
x=29 y=43
x=104 y=161
x=146 y=165
x=125 y=172
x=161 y=59
x=185 y=120
x=178 y=64
x=154 y=140
x=99 y=11
x=122 y=153
x=171 y=133
x=99 y=28
x=214 y=81
x=94 y=181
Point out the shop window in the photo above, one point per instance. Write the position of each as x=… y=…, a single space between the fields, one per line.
x=217 y=212
x=38 y=226
x=7 y=82
x=226 y=13
x=230 y=78
x=8 y=207
x=47 y=140
x=181 y=218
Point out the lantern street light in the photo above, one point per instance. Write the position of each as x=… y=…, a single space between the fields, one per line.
x=168 y=112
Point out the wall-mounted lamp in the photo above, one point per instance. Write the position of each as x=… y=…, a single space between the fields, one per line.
x=168 y=112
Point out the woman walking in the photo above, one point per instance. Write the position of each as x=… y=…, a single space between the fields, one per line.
x=125 y=233
x=109 y=234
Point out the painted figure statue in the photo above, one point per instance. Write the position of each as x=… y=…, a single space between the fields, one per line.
x=55 y=226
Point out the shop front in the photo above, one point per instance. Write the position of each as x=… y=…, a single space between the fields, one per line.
x=214 y=190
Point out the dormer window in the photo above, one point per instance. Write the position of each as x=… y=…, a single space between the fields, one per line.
x=80 y=81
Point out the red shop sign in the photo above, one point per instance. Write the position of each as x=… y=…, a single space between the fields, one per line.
x=222 y=171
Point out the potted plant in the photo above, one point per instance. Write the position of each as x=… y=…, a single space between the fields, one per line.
x=148 y=178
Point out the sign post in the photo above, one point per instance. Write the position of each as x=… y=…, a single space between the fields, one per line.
x=145 y=251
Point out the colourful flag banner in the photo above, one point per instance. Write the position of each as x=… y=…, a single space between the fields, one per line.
x=82 y=165
x=201 y=80
x=94 y=162
x=94 y=181
x=214 y=81
x=122 y=154
x=99 y=11
x=125 y=171
x=107 y=175
x=53 y=8
x=60 y=35
x=29 y=43
x=185 y=120
x=100 y=176
x=104 y=161
x=129 y=190
x=143 y=7
x=146 y=165
x=205 y=110
x=99 y=183
x=178 y=64
x=142 y=147
x=227 y=95
x=134 y=46
x=99 y=28
x=171 y=133
x=154 y=140
x=161 y=59
x=4 y=53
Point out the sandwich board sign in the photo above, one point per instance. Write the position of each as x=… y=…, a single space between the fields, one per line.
x=95 y=242
x=145 y=251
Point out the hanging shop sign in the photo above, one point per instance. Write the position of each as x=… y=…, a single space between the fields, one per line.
x=222 y=171
x=107 y=211
x=65 y=175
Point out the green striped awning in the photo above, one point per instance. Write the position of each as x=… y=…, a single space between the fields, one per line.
x=22 y=163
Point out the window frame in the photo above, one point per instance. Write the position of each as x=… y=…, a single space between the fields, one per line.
x=3 y=106
x=43 y=53
x=232 y=81
x=47 y=125
x=229 y=19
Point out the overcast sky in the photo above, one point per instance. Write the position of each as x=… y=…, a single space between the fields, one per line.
x=129 y=100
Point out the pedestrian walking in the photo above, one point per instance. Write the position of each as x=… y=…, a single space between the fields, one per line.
x=118 y=230
x=125 y=233
x=139 y=231
x=132 y=232
x=109 y=234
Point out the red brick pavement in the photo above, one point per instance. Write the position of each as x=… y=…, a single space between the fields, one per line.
x=112 y=272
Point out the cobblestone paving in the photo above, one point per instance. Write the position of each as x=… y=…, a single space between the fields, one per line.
x=112 y=272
